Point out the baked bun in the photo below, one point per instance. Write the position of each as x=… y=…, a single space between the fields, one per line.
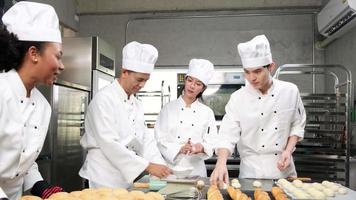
x=155 y=195
x=29 y=197
x=138 y=195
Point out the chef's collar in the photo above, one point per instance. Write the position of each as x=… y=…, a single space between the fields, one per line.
x=183 y=104
x=17 y=84
x=123 y=95
x=257 y=91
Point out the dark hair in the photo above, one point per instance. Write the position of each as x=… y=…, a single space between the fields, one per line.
x=12 y=50
x=266 y=66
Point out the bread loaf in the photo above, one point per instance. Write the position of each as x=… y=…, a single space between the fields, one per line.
x=236 y=194
x=279 y=194
x=259 y=194
x=214 y=193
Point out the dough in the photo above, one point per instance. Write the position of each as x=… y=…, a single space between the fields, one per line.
x=318 y=186
x=200 y=184
x=328 y=192
x=298 y=183
x=342 y=190
x=257 y=184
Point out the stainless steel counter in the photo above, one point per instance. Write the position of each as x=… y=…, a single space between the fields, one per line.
x=247 y=188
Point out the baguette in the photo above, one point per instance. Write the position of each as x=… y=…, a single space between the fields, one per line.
x=259 y=194
x=278 y=194
x=214 y=193
x=236 y=194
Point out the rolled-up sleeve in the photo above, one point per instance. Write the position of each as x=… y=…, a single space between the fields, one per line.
x=299 y=119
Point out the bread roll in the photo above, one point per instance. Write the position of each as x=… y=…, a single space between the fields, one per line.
x=138 y=195
x=59 y=196
x=155 y=195
x=120 y=191
x=29 y=197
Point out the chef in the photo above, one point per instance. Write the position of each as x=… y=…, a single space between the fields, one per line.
x=266 y=119
x=185 y=128
x=119 y=146
x=30 y=54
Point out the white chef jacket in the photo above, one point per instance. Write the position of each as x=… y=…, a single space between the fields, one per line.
x=177 y=123
x=23 y=128
x=116 y=138
x=260 y=126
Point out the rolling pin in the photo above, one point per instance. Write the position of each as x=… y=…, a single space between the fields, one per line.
x=154 y=185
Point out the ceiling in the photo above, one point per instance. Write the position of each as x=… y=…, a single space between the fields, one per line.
x=142 y=6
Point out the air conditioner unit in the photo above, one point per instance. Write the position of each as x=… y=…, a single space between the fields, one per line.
x=337 y=17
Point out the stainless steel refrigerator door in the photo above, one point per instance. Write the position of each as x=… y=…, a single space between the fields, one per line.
x=69 y=107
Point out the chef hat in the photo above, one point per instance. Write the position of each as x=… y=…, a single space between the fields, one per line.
x=139 y=57
x=255 y=53
x=201 y=69
x=31 y=21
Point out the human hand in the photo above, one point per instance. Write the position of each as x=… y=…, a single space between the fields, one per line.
x=186 y=148
x=158 y=170
x=197 y=148
x=284 y=162
x=220 y=175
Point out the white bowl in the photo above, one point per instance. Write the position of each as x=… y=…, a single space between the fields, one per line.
x=182 y=172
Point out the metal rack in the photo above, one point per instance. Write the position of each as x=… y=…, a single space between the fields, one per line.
x=324 y=153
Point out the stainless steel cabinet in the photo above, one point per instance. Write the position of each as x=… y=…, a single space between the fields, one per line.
x=62 y=156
